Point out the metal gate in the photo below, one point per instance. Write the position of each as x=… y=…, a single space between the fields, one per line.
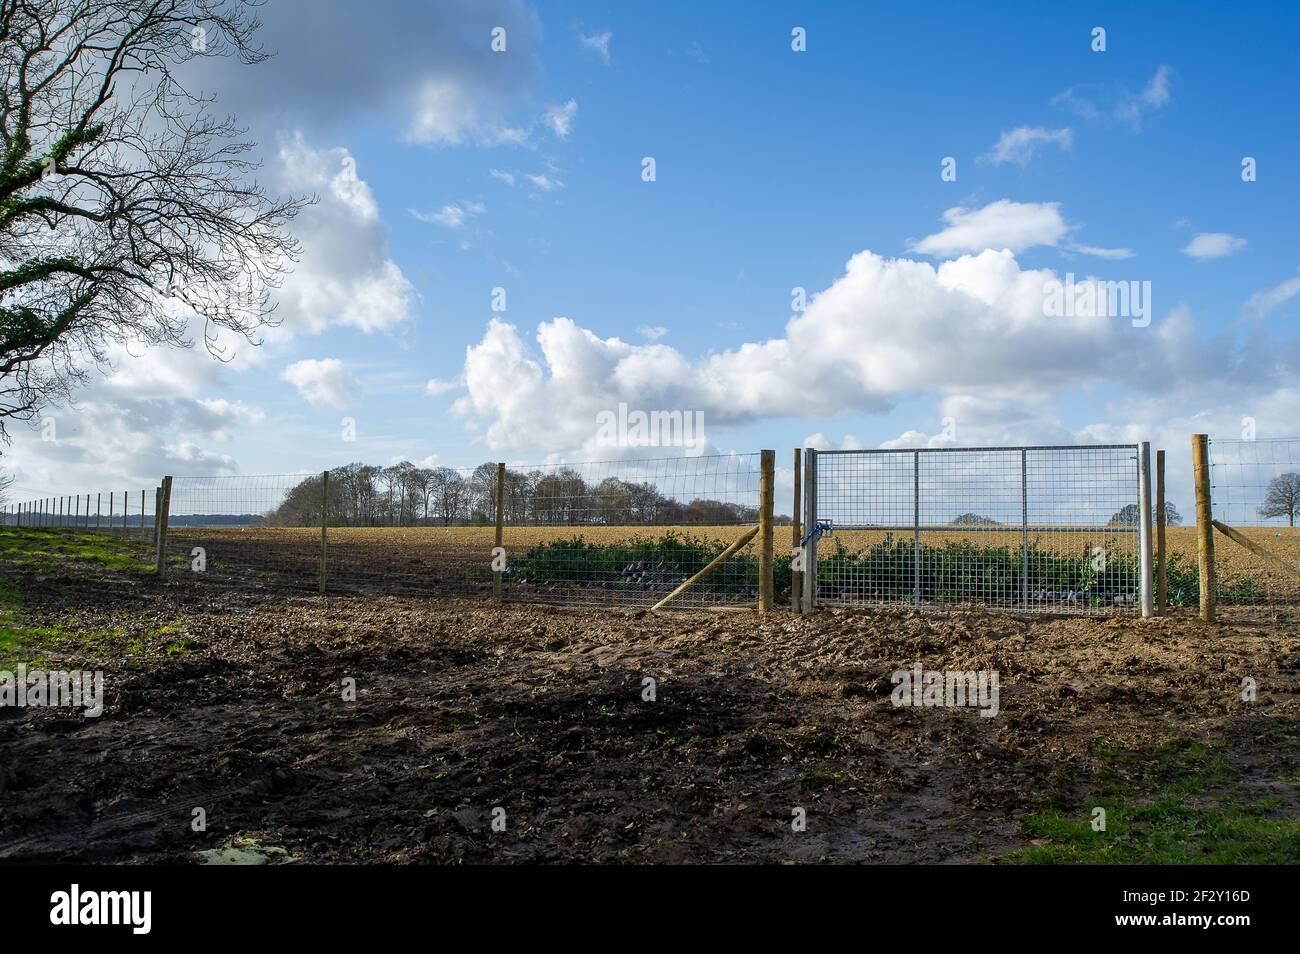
x=1056 y=529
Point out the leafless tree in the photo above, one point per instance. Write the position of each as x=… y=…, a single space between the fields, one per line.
x=450 y=494
x=1282 y=498
x=125 y=207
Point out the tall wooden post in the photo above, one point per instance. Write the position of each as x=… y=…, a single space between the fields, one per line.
x=1161 y=596
x=796 y=534
x=163 y=513
x=1204 y=526
x=766 y=479
x=501 y=527
x=324 y=522
x=142 y=512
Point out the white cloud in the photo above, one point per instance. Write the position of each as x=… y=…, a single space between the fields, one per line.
x=450 y=113
x=1154 y=95
x=560 y=118
x=544 y=182
x=1020 y=144
x=1001 y=224
x=653 y=332
x=821 y=442
x=1118 y=102
x=323 y=382
x=346 y=276
x=423 y=66
x=598 y=43
x=159 y=410
x=114 y=439
x=224 y=416
x=507 y=177
x=887 y=328
x=452 y=216
x=1205 y=245
x=434 y=388
x=1261 y=303
x=1111 y=254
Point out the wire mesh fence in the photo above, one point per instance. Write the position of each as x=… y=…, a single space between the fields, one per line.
x=255 y=531
x=126 y=512
x=1050 y=529
x=606 y=533
x=1255 y=490
x=633 y=532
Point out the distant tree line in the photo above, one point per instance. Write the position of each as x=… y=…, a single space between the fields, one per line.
x=1127 y=516
x=364 y=495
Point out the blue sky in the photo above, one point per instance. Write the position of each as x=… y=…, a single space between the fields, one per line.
x=774 y=168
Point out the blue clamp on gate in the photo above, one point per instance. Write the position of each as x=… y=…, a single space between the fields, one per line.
x=823 y=528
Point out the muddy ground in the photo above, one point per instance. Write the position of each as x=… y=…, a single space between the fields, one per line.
x=232 y=702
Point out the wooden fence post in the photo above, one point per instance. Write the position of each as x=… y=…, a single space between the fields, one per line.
x=141 y=513
x=737 y=545
x=766 y=475
x=1204 y=526
x=1161 y=595
x=324 y=522
x=157 y=509
x=165 y=496
x=796 y=534
x=501 y=527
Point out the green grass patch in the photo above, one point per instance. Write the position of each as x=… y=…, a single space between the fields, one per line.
x=42 y=551
x=1183 y=584
x=1171 y=804
x=32 y=645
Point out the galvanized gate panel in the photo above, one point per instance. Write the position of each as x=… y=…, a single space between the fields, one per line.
x=1045 y=528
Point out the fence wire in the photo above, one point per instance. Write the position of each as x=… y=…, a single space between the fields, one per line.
x=1255 y=489
x=606 y=533
x=630 y=532
x=128 y=513
x=1051 y=529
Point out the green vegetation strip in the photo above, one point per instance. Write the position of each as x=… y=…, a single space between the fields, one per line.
x=42 y=551
x=953 y=572
x=1172 y=804
x=47 y=552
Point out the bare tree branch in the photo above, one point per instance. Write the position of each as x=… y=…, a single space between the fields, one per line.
x=125 y=207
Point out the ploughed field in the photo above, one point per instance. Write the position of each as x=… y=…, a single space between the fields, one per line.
x=232 y=699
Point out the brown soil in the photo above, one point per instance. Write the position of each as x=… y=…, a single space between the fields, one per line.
x=463 y=706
